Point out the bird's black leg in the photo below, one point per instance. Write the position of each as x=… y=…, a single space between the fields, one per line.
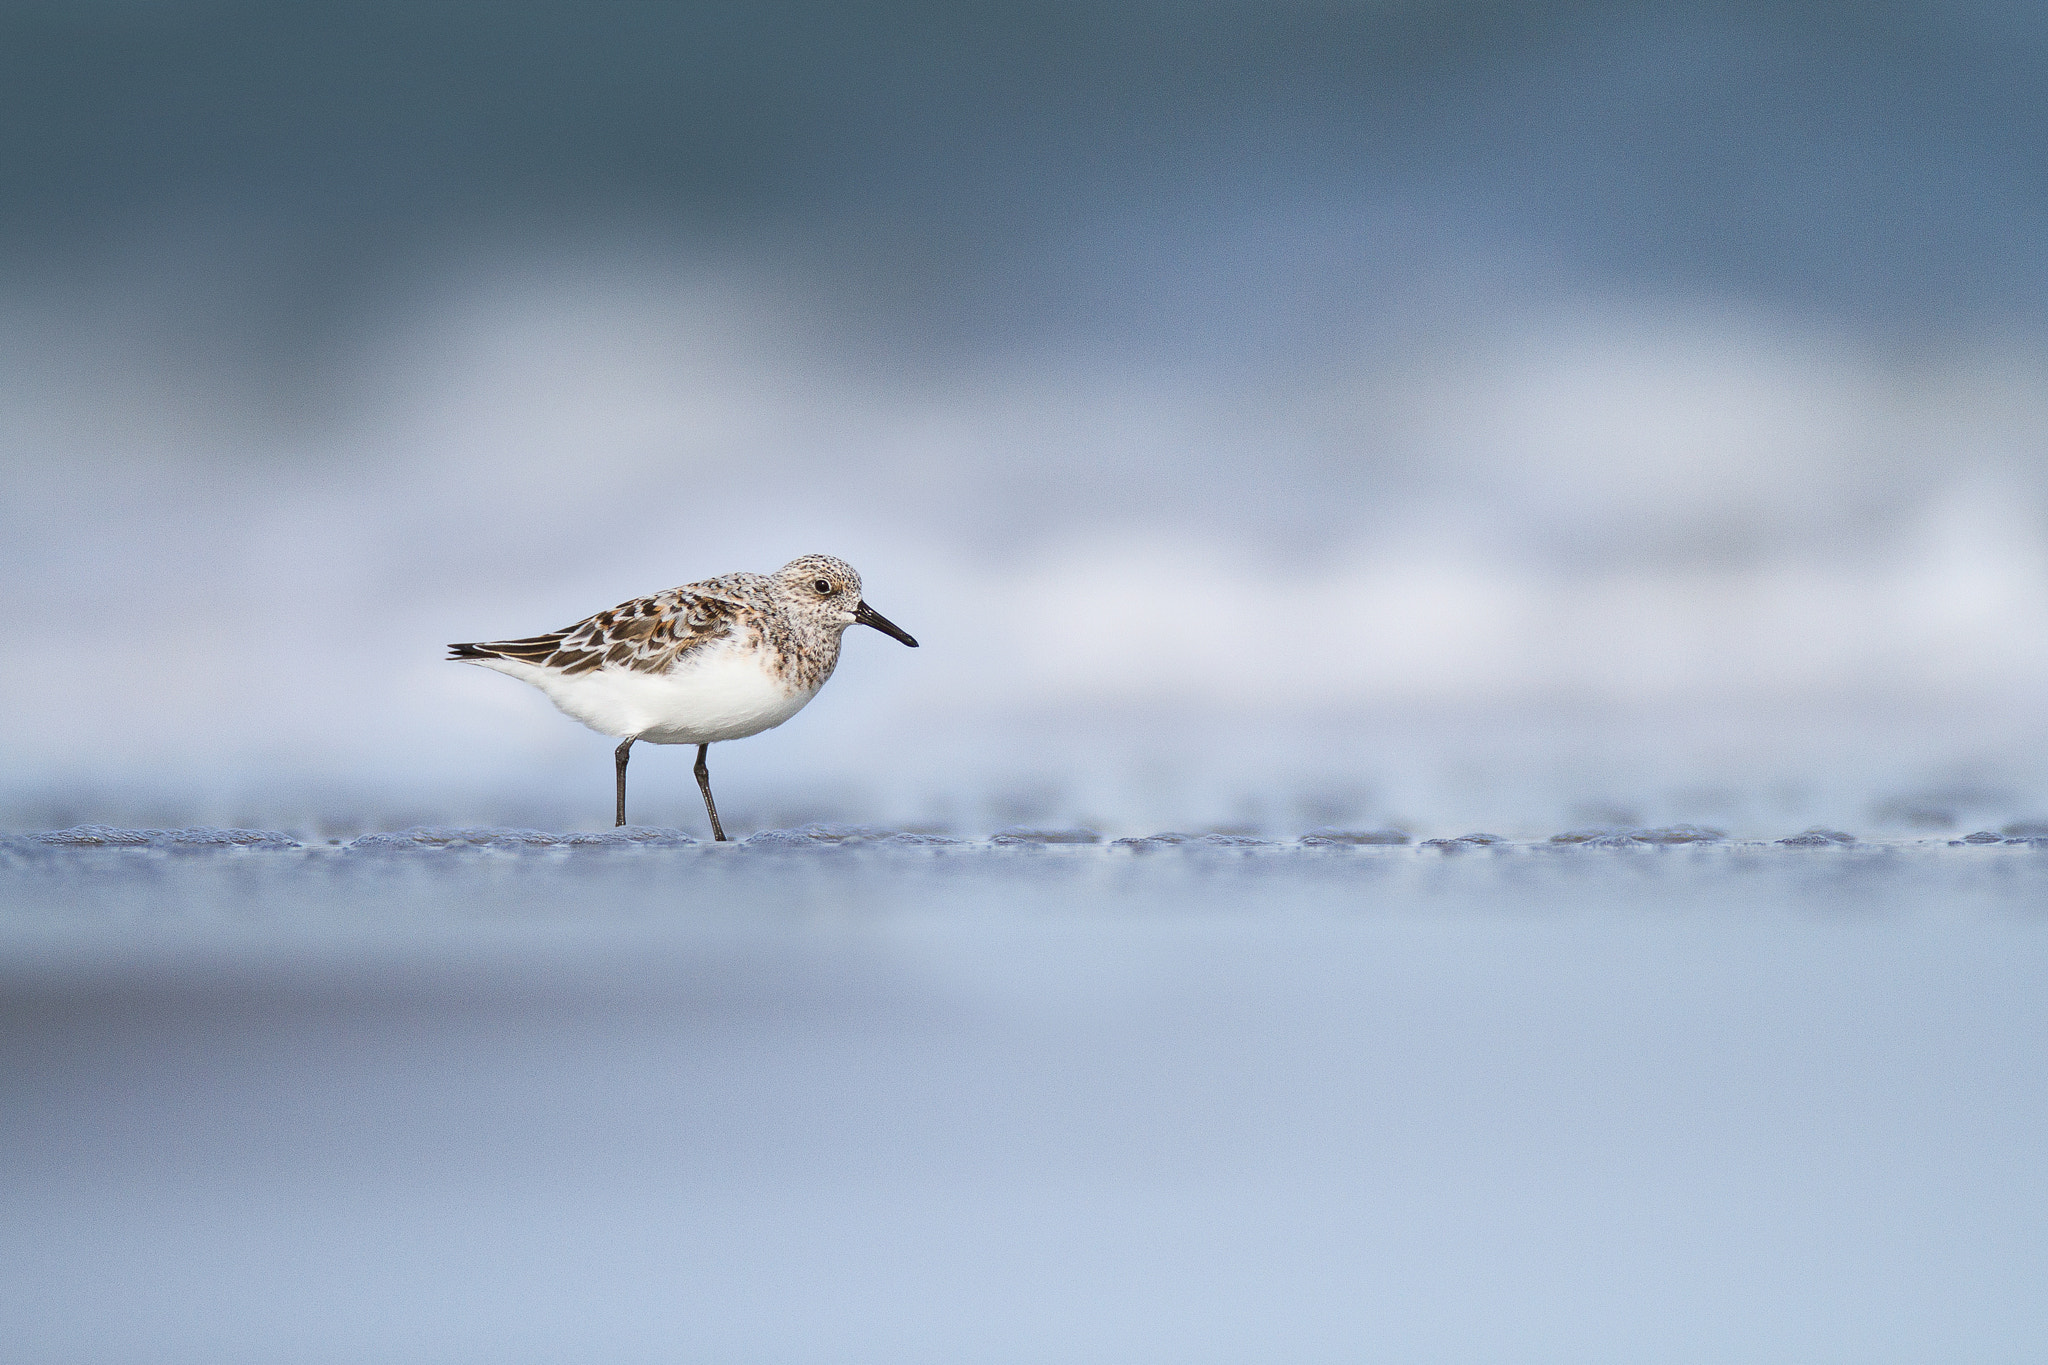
x=704 y=781
x=619 y=756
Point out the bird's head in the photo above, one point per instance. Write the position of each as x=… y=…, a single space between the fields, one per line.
x=828 y=590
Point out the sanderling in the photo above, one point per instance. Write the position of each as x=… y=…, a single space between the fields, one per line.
x=721 y=659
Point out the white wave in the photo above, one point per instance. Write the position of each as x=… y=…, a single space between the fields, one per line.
x=1612 y=502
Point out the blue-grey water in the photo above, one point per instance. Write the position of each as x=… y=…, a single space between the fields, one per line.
x=505 y=1096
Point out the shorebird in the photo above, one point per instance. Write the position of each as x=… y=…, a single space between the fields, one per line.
x=721 y=659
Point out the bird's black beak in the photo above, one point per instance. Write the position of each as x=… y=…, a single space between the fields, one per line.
x=868 y=616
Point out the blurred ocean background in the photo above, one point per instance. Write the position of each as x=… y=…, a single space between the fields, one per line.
x=1459 y=414
x=1389 y=415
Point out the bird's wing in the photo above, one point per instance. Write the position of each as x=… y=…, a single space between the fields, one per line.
x=647 y=634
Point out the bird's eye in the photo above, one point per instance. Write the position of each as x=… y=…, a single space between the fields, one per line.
x=824 y=588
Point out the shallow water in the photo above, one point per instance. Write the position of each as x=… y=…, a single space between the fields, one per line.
x=862 y=1098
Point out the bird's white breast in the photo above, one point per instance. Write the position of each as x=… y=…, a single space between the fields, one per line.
x=725 y=691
